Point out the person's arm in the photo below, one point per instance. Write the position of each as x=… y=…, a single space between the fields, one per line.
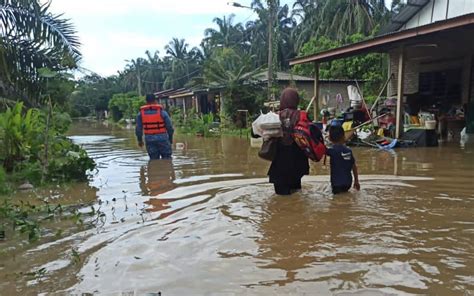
x=356 y=176
x=329 y=151
x=168 y=125
x=139 y=130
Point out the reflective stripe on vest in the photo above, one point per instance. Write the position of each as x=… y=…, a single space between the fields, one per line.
x=152 y=123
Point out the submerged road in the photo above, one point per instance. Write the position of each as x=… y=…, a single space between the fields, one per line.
x=208 y=223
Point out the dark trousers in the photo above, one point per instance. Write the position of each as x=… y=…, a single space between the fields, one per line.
x=285 y=189
x=159 y=149
x=340 y=189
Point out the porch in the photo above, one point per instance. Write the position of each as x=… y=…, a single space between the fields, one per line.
x=432 y=68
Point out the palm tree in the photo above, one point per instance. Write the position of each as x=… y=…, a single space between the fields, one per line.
x=307 y=13
x=153 y=72
x=181 y=63
x=257 y=32
x=338 y=18
x=32 y=38
x=227 y=34
x=234 y=72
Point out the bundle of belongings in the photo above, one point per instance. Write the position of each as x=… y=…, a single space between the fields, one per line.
x=268 y=126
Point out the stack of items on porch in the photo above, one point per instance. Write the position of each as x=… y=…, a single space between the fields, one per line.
x=356 y=121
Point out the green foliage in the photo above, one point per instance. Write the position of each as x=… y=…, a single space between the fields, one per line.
x=234 y=72
x=71 y=162
x=23 y=138
x=194 y=123
x=337 y=19
x=31 y=38
x=369 y=67
x=20 y=217
x=29 y=219
x=4 y=188
x=125 y=105
x=93 y=94
x=19 y=135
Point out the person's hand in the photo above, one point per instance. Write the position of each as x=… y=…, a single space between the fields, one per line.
x=357 y=185
x=140 y=144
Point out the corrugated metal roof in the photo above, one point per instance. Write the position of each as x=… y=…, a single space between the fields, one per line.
x=169 y=92
x=384 y=42
x=282 y=76
x=405 y=14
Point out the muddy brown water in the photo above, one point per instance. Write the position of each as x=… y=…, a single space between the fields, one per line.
x=208 y=223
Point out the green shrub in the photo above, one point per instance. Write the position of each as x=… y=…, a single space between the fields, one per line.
x=31 y=151
x=71 y=163
x=4 y=188
x=125 y=106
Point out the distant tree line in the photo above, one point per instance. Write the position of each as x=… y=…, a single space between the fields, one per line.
x=303 y=28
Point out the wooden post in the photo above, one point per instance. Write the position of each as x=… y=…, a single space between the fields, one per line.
x=316 y=92
x=196 y=103
x=221 y=111
x=184 y=109
x=466 y=79
x=400 y=82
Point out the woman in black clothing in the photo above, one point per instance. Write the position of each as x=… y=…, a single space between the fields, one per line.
x=290 y=163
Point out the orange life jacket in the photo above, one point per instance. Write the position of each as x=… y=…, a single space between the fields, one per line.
x=152 y=123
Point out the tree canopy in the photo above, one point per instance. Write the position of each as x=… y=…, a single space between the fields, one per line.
x=32 y=38
x=227 y=50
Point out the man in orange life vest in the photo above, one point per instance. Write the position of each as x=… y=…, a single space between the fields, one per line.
x=155 y=123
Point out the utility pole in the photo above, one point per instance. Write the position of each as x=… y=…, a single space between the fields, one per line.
x=139 y=78
x=271 y=28
x=137 y=72
x=271 y=8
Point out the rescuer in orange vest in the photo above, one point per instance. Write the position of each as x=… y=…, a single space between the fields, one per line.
x=155 y=123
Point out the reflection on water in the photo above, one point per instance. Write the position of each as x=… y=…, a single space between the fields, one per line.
x=208 y=222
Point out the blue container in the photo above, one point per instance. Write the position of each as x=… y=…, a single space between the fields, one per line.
x=337 y=122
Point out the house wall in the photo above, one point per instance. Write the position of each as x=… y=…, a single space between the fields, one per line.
x=327 y=92
x=413 y=69
x=179 y=102
x=411 y=80
x=437 y=10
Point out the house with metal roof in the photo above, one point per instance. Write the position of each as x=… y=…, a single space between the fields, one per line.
x=430 y=45
x=208 y=99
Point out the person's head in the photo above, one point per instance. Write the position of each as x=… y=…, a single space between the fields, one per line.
x=336 y=134
x=150 y=98
x=289 y=99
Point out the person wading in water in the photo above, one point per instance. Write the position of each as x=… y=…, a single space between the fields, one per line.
x=156 y=124
x=290 y=163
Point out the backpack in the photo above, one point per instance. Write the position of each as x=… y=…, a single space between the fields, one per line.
x=309 y=138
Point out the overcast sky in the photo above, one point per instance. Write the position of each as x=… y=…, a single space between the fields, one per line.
x=114 y=30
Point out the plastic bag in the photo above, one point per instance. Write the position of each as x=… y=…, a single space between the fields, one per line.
x=264 y=122
x=256 y=129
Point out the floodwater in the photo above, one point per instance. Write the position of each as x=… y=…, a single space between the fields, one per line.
x=208 y=223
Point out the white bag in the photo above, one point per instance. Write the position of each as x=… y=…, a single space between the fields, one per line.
x=256 y=126
x=272 y=133
x=265 y=122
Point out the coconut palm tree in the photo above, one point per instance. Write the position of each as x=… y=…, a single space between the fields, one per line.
x=32 y=38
